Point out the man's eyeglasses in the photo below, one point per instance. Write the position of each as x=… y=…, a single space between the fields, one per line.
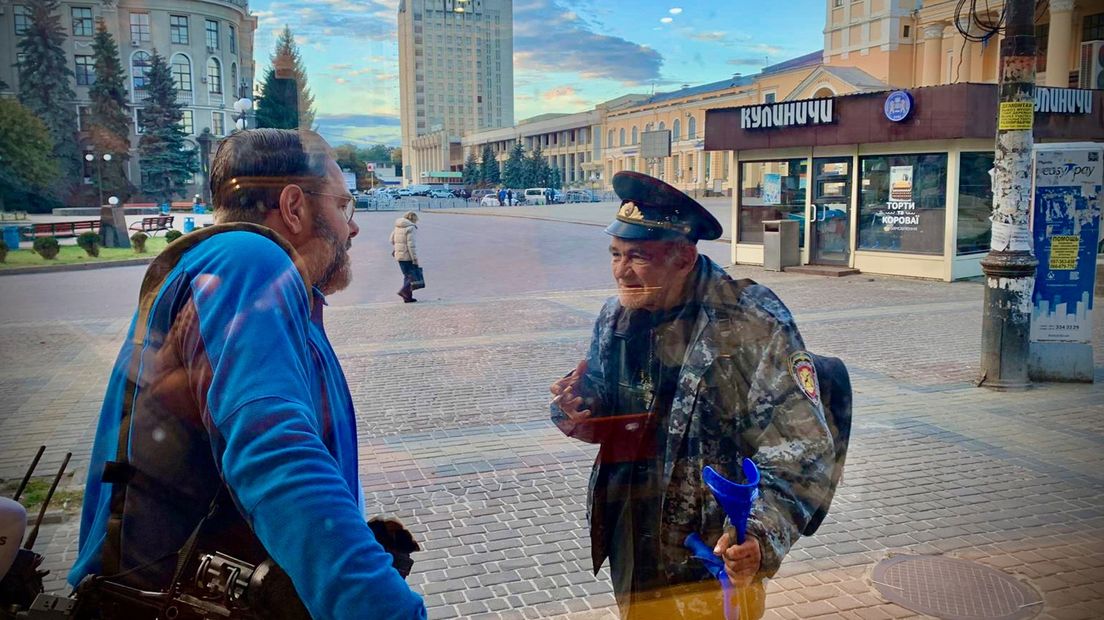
x=350 y=205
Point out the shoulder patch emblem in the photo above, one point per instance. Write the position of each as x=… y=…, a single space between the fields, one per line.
x=804 y=374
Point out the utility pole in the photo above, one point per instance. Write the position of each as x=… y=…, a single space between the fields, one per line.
x=1010 y=267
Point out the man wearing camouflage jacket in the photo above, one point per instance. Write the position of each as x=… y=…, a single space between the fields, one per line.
x=689 y=368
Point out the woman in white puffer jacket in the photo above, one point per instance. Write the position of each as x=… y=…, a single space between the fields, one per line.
x=404 y=251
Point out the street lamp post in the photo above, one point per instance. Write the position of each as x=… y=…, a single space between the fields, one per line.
x=242 y=106
x=89 y=157
x=205 y=139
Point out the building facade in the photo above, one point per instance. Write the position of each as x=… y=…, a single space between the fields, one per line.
x=208 y=45
x=456 y=77
x=571 y=143
x=908 y=44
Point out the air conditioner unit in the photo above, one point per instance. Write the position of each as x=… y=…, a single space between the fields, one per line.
x=134 y=43
x=1092 y=65
x=210 y=50
x=203 y=79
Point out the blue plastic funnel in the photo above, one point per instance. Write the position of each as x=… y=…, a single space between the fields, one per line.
x=736 y=499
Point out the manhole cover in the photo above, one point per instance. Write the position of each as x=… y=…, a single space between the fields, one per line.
x=954 y=589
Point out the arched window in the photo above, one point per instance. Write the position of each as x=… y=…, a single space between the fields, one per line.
x=234 y=78
x=139 y=69
x=182 y=73
x=609 y=139
x=214 y=76
x=622 y=142
x=662 y=125
x=635 y=135
x=676 y=129
x=692 y=128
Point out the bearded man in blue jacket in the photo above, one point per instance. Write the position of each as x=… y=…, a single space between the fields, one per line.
x=227 y=406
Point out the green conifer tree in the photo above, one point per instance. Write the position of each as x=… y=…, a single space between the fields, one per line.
x=45 y=90
x=166 y=164
x=471 y=170
x=109 y=125
x=286 y=101
x=513 y=171
x=488 y=168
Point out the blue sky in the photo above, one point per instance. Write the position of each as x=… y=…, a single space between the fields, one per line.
x=568 y=54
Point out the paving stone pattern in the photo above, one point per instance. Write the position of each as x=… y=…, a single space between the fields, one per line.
x=452 y=407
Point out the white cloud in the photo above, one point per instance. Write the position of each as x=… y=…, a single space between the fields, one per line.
x=666 y=20
x=544 y=46
x=675 y=11
x=711 y=35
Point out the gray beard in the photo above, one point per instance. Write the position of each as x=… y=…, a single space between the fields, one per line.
x=332 y=279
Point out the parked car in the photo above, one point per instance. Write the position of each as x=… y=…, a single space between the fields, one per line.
x=440 y=193
x=478 y=195
x=404 y=191
x=536 y=196
x=489 y=200
x=580 y=195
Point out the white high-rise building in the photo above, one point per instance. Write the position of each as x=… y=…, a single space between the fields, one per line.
x=456 y=76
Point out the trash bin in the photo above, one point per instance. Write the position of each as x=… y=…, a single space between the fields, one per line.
x=780 y=247
x=165 y=208
x=189 y=224
x=11 y=237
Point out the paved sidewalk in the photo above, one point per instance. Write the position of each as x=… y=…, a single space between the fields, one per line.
x=452 y=405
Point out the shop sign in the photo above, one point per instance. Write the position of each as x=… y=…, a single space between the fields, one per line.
x=1063 y=101
x=898 y=106
x=899 y=212
x=789 y=114
x=1065 y=231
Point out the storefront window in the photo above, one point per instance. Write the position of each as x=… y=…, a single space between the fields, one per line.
x=975 y=202
x=902 y=203
x=772 y=190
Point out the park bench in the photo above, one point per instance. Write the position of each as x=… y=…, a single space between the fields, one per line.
x=153 y=224
x=60 y=229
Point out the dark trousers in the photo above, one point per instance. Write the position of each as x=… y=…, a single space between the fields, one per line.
x=407 y=268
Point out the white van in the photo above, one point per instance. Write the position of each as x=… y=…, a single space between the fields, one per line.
x=536 y=196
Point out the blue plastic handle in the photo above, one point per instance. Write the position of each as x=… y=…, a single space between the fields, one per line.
x=736 y=499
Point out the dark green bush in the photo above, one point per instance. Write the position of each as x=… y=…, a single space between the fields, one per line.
x=47 y=247
x=89 y=242
x=138 y=242
x=173 y=235
x=3 y=251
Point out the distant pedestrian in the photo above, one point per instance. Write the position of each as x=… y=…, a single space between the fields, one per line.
x=510 y=197
x=405 y=252
x=501 y=197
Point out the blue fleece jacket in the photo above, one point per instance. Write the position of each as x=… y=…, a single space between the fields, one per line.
x=277 y=414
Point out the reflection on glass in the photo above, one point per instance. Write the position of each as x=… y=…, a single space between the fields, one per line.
x=975 y=202
x=772 y=190
x=902 y=203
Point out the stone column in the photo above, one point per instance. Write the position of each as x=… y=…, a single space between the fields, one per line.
x=933 y=55
x=1058 y=43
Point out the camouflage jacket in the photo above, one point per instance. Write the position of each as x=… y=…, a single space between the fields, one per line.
x=738 y=395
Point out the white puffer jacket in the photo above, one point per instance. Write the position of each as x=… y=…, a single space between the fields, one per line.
x=402 y=238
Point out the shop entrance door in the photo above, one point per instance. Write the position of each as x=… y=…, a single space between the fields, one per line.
x=831 y=214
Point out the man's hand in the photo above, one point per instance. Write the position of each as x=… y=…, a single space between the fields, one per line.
x=741 y=561
x=566 y=394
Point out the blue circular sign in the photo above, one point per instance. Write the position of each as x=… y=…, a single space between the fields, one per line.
x=898 y=105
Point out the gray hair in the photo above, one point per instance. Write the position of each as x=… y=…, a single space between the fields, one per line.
x=251 y=169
